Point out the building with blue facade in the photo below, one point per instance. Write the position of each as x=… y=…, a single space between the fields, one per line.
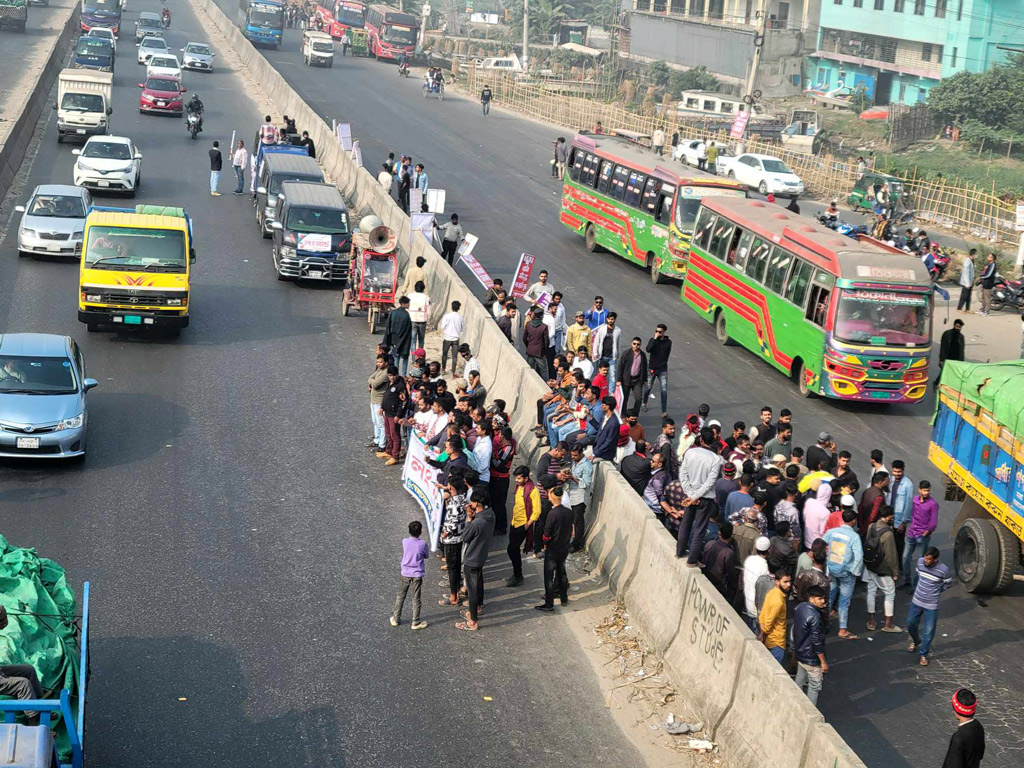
x=898 y=50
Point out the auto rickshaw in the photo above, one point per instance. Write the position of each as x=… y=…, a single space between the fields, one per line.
x=359 y=41
x=373 y=275
x=879 y=188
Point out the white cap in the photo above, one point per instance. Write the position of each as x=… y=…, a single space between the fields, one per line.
x=847 y=500
x=762 y=544
x=714 y=423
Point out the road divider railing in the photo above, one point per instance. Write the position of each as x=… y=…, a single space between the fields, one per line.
x=751 y=708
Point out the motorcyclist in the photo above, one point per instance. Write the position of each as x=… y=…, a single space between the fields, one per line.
x=832 y=212
x=194 y=106
x=165 y=17
x=403 y=62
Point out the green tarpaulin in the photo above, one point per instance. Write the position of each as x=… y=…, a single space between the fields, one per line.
x=996 y=387
x=41 y=610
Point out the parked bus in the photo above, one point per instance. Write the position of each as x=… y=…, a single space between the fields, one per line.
x=101 y=13
x=262 y=21
x=341 y=15
x=847 y=319
x=624 y=199
x=392 y=32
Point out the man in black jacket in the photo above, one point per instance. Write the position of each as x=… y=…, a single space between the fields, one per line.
x=392 y=407
x=631 y=373
x=398 y=334
x=636 y=468
x=476 y=543
x=719 y=559
x=659 y=347
x=967 y=746
x=951 y=346
x=557 y=535
x=809 y=643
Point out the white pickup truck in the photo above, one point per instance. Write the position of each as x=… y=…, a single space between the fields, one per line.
x=83 y=103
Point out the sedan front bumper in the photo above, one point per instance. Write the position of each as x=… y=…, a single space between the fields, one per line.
x=40 y=246
x=110 y=182
x=64 y=444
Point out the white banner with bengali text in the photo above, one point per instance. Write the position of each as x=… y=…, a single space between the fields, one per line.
x=420 y=480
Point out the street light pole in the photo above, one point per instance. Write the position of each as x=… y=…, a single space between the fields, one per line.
x=526 y=34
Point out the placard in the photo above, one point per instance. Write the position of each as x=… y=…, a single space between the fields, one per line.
x=739 y=125
x=523 y=272
x=478 y=271
x=315 y=243
x=420 y=480
x=436 y=200
x=467 y=245
x=416 y=200
x=343 y=132
x=357 y=153
x=1020 y=216
x=421 y=222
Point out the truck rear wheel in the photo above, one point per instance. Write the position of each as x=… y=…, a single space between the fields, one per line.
x=984 y=563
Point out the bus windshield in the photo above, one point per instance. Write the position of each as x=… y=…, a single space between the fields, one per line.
x=884 y=318
x=686 y=213
x=399 y=33
x=266 y=15
x=351 y=17
x=136 y=249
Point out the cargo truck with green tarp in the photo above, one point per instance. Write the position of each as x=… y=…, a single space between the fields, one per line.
x=14 y=14
x=978 y=443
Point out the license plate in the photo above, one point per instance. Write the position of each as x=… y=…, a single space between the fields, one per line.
x=53 y=248
x=80 y=130
x=132 y=320
x=316 y=274
x=161 y=104
x=104 y=183
x=28 y=442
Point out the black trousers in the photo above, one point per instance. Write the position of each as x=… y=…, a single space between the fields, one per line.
x=499 y=495
x=555 y=577
x=965 y=297
x=475 y=588
x=538 y=539
x=453 y=346
x=403 y=199
x=579 y=525
x=516 y=537
x=635 y=388
x=448 y=248
x=453 y=559
x=692 y=528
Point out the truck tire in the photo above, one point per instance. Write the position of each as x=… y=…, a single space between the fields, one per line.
x=978 y=556
x=1009 y=546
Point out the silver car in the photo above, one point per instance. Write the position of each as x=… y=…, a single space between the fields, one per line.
x=148 y=24
x=197 y=56
x=42 y=396
x=53 y=221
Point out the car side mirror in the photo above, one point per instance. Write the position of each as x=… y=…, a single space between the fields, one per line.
x=76 y=151
x=110 y=110
x=88 y=384
x=19 y=208
x=191 y=255
x=277 y=225
x=184 y=90
x=261 y=190
x=141 y=85
x=138 y=155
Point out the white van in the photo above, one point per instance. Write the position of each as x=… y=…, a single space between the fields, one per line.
x=317 y=48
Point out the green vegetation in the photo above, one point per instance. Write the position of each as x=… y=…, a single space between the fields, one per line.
x=959 y=161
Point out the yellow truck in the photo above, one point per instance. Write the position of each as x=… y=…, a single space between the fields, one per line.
x=135 y=268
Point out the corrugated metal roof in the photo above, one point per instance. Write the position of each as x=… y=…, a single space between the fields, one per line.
x=283 y=162
x=313 y=194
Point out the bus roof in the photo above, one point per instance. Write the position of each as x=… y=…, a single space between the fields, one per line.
x=864 y=259
x=393 y=15
x=628 y=152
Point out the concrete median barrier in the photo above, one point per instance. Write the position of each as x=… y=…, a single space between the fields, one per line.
x=826 y=749
x=617 y=535
x=655 y=598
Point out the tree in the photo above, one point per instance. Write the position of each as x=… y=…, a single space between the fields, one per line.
x=659 y=74
x=545 y=17
x=695 y=79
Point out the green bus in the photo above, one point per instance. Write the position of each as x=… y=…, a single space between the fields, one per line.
x=625 y=199
x=847 y=319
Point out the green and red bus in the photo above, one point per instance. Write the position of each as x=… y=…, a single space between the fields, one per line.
x=847 y=319
x=625 y=199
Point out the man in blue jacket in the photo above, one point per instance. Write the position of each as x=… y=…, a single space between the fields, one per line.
x=809 y=643
x=845 y=565
x=607 y=441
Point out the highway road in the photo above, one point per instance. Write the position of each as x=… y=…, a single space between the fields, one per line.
x=497 y=175
x=243 y=545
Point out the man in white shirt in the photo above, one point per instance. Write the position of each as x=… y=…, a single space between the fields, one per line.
x=561 y=327
x=754 y=567
x=385 y=179
x=584 y=363
x=472 y=364
x=419 y=311
x=452 y=326
x=538 y=289
x=658 y=141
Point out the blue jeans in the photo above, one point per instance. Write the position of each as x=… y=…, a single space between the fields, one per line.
x=842 y=587
x=214 y=178
x=378 y=425
x=922 y=635
x=662 y=379
x=419 y=335
x=240 y=175
x=910 y=546
x=401 y=361
x=778 y=653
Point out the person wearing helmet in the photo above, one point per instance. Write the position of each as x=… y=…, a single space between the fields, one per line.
x=194 y=106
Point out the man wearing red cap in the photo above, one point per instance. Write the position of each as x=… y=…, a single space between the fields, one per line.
x=967 y=745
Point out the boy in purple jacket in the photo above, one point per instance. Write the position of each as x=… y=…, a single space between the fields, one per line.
x=414 y=555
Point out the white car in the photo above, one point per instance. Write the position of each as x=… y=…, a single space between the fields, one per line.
x=689 y=152
x=152 y=46
x=766 y=174
x=197 y=56
x=163 y=65
x=106 y=34
x=108 y=164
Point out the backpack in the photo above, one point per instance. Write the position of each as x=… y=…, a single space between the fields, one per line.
x=873 y=555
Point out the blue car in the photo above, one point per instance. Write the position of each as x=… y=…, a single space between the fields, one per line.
x=42 y=396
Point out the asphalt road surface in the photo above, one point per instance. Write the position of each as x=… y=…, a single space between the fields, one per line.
x=243 y=545
x=497 y=175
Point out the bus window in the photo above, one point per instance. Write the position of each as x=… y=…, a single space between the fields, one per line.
x=720 y=239
x=778 y=267
x=796 y=288
x=702 y=234
x=619 y=178
x=665 y=209
x=817 y=307
x=590 y=170
x=757 y=259
x=634 y=187
x=575 y=163
x=738 y=257
x=734 y=242
x=604 y=177
x=650 y=198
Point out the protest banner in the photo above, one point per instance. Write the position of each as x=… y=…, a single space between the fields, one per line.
x=523 y=272
x=416 y=200
x=478 y=271
x=420 y=480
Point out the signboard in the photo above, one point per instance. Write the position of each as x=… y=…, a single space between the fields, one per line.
x=315 y=243
x=436 y=200
x=477 y=269
x=484 y=18
x=357 y=153
x=522 y=279
x=739 y=125
x=420 y=480
x=467 y=245
x=416 y=200
x=421 y=222
x=343 y=132
x=1020 y=216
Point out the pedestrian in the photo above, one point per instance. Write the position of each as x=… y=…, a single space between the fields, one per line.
x=872 y=501
x=755 y=565
x=503 y=451
x=881 y=568
x=764 y=430
x=967 y=744
x=525 y=512
x=988 y=282
x=485 y=99
x=404 y=186
x=561 y=156
x=924 y=519
x=452 y=326
x=900 y=497
x=719 y=560
x=385 y=178
x=215 y=165
x=845 y=564
x=966 y=282
x=578 y=334
x=239 y=159
x=392 y=408
x=308 y=144
x=596 y=315
x=535 y=340
x=605 y=346
x=377 y=384
x=476 y=543
x=712 y=158
x=414 y=555
x=607 y=438
x=861 y=167
x=398 y=334
x=451 y=235
x=540 y=289
x=823 y=450
x=557 y=536
x=658 y=141
x=346 y=43
x=420 y=180
x=414 y=274
x=782 y=443
x=631 y=373
x=579 y=479
x=698 y=472
x=933 y=578
x=470 y=362
x=772 y=618
x=809 y=643
x=268 y=132
x=951 y=346
x=419 y=312
x=659 y=347
x=598 y=128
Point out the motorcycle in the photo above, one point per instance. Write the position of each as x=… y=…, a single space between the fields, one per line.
x=940 y=263
x=165 y=18
x=841 y=227
x=403 y=69
x=1007 y=292
x=194 y=123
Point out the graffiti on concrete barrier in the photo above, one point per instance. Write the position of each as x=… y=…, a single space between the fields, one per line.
x=708 y=624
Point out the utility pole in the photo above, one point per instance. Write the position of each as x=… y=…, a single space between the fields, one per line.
x=526 y=34
x=759 y=38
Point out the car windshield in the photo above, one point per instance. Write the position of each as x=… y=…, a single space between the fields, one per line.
x=107 y=150
x=155 y=43
x=323 y=47
x=149 y=23
x=57 y=206
x=378 y=275
x=317 y=220
x=884 y=318
x=93 y=46
x=136 y=249
x=36 y=375
x=399 y=33
x=686 y=213
x=82 y=102
x=163 y=61
x=162 y=84
x=103 y=6
x=775 y=166
x=199 y=50
x=102 y=33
